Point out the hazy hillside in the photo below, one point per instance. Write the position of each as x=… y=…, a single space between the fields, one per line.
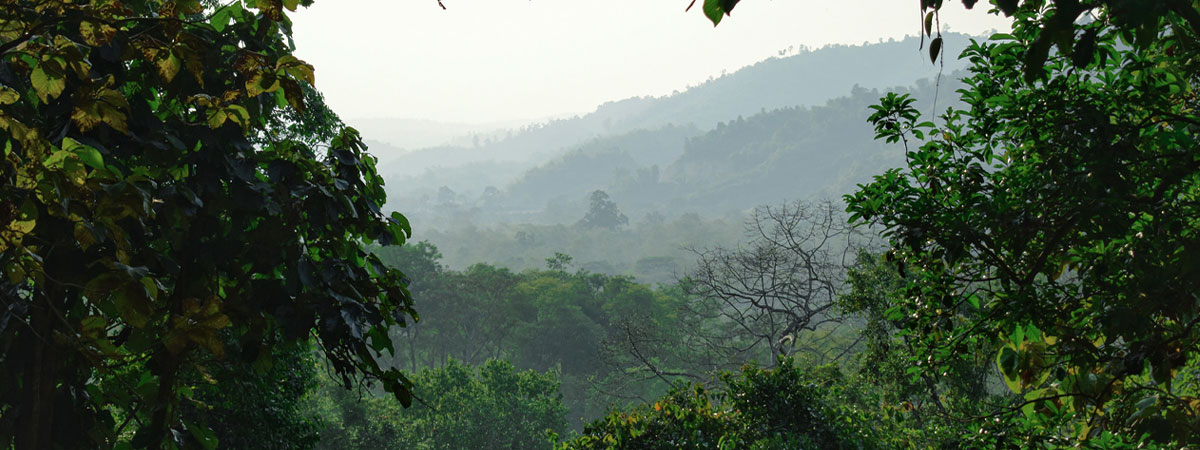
x=599 y=164
x=410 y=134
x=809 y=78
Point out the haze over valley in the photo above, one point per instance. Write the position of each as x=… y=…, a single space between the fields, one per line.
x=786 y=128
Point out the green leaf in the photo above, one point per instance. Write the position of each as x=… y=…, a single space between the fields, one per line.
x=1143 y=406
x=935 y=49
x=133 y=304
x=87 y=154
x=220 y=19
x=204 y=435
x=1008 y=361
x=714 y=11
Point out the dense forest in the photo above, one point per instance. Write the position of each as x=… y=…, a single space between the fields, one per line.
x=830 y=249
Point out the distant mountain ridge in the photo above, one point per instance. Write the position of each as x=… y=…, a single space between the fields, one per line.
x=785 y=128
x=809 y=78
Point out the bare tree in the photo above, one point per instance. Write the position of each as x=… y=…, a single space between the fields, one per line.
x=760 y=297
x=773 y=294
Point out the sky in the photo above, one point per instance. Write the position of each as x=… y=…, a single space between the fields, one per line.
x=486 y=61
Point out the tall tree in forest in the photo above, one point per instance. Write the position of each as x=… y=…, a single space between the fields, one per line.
x=783 y=283
x=602 y=213
x=1052 y=225
x=167 y=188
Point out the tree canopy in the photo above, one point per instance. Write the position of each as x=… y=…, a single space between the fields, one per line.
x=602 y=213
x=1050 y=225
x=171 y=182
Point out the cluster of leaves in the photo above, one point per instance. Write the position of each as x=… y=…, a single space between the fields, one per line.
x=1051 y=225
x=259 y=404
x=915 y=403
x=782 y=407
x=158 y=203
x=492 y=406
x=715 y=10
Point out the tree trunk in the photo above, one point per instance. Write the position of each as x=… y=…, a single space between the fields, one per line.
x=35 y=423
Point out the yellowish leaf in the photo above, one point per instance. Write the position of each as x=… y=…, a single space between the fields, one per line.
x=86 y=117
x=273 y=9
x=260 y=83
x=96 y=34
x=8 y=96
x=296 y=68
x=293 y=94
x=168 y=66
x=84 y=236
x=48 y=80
x=238 y=114
x=249 y=62
x=191 y=6
x=12 y=233
x=217 y=118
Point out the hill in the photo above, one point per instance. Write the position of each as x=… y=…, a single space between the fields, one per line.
x=809 y=78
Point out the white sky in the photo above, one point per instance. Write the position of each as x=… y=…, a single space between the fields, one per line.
x=502 y=60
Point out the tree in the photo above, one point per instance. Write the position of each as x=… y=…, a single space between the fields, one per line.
x=164 y=190
x=491 y=406
x=1050 y=226
x=1052 y=23
x=603 y=213
x=884 y=361
x=1052 y=222
x=256 y=406
x=781 y=407
x=784 y=283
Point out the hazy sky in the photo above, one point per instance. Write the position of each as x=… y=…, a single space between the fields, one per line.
x=500 y=60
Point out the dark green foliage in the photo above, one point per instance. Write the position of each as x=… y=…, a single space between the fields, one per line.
x=781 y=407
x=1051 y=227
x=493 y=406
x=159 y=200
x=257 y=405
x=917 y=406
x=583 y=325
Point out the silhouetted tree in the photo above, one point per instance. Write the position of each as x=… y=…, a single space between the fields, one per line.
x=603 y=213
x=782 y=283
